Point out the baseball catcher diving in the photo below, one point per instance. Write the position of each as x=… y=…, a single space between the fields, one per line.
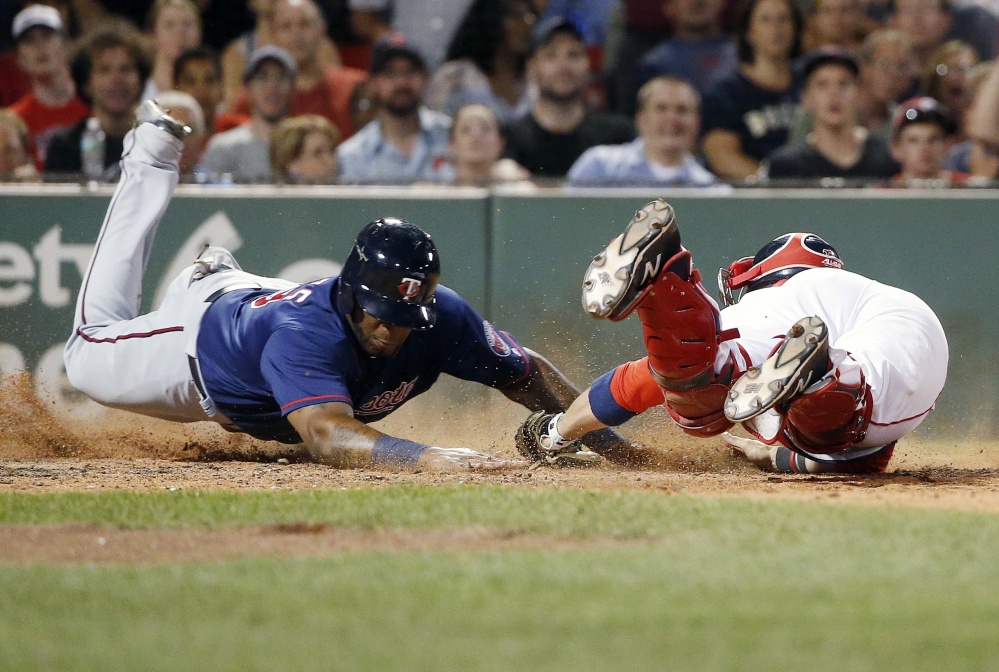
x=825 y=368
x=310 y=363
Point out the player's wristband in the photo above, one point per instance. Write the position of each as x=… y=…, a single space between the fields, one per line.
x=390 y=450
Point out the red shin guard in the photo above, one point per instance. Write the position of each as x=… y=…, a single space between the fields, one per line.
x=680 y=325
x=831 y=418
x=699 y=412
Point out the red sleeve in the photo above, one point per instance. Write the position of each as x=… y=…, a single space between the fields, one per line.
x=633 y=388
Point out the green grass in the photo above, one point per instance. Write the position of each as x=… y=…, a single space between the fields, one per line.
x=711 y=584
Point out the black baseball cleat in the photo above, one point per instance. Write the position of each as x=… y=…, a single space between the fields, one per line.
x=150 y=112
x=615 y=280
x=534 y=443
x=801 y=359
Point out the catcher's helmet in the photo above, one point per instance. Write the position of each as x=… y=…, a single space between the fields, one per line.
x=777 y=261
x=391 y=273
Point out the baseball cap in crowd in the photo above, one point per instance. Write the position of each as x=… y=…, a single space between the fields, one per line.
x=545 y=31
x=269 y=52
x=33 y=16
x=391 y=46
x=826 y=56
x=922 y=110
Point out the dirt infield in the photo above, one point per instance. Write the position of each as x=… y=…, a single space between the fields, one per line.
x=40 y=452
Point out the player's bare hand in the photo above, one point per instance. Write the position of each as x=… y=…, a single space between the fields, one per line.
x=460 y=459
x=755 y=451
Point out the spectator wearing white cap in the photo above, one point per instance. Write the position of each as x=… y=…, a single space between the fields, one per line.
x=243 y=153
x=52 y=104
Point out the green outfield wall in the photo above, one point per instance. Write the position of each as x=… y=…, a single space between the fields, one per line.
x=518 y=255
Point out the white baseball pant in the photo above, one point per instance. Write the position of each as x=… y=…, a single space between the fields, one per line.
x=115 y=356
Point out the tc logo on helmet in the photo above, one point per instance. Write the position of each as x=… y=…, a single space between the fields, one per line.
x=410 y=287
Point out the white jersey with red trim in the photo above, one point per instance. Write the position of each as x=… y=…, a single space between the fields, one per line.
x=891 y=335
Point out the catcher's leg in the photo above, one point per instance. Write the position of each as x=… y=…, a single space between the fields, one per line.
x=647 y=269
x=801 y=397
x=782 y=459
x=800 y=359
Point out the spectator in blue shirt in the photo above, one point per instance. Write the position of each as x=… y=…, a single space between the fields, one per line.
x=668 y=121
x=405 y=141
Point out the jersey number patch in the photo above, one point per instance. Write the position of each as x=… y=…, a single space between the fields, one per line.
x=297 y=295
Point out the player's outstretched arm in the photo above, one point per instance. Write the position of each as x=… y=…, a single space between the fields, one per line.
x=546 y=390
x=333 y=436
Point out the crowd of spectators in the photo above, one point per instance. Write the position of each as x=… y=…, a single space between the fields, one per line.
x=686 y=93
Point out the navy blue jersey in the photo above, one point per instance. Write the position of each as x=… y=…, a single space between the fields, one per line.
x=264 y=354
x=760 y=117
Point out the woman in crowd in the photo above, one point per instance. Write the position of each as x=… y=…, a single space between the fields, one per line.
x=748 y=114
x=303 y=150
x=174 y=26
x=474 y=148
x=979 y=153
x=486 y=62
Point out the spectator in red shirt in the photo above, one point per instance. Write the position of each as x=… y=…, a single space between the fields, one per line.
x=52 y=103
x=298 y=26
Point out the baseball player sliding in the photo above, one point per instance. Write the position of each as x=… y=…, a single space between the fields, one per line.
x=826 y=368
x=310 y=363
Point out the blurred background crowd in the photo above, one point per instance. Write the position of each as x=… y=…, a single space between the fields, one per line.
x=689 y=93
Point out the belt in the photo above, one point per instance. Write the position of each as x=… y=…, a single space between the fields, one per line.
x=206 y=402
x=207 y=405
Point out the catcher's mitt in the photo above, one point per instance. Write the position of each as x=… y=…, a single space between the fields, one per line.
x=534 y=443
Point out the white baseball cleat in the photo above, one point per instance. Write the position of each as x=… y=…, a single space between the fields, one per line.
x=800 y=360
x=615 y=280
x=150 y=112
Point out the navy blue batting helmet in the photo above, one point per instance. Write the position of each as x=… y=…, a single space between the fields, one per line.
x=391 y=273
